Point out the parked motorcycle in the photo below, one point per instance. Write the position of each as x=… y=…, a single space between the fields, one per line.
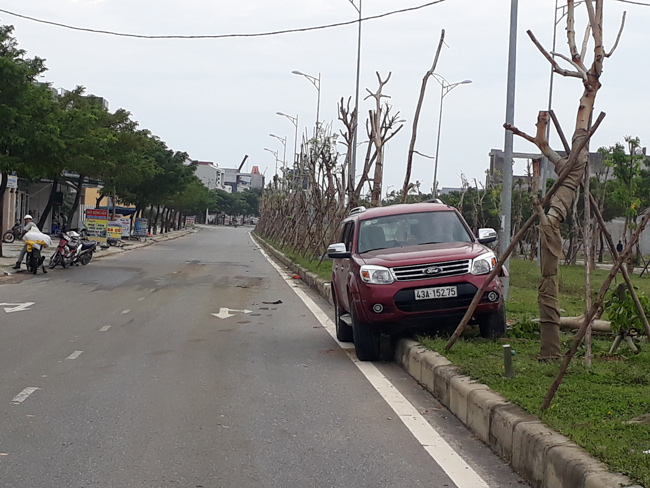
x=68 y=245
x=84 y=252
x=13 y=234
x=72 y=250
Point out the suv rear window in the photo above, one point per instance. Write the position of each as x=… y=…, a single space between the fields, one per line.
x=411 y=230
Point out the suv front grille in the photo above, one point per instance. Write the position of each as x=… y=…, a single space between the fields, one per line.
x=429 y=271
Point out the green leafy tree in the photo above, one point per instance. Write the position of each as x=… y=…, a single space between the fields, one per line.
x=252 y=198
x=86 y=132
x=624 y=193
x=194 y=199
x=26 y=114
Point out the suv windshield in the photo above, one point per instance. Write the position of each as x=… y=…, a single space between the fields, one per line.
x=411 y=230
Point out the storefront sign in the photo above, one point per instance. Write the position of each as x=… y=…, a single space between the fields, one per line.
x=140 y=229
x=126 y=226
x=96 y=224
x=114 y=229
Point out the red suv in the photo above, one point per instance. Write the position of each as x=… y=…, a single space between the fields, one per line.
x=406 y=268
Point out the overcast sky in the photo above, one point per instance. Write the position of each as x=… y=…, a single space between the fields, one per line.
x=217 y=99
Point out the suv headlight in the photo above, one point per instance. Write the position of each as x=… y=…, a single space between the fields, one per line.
x=484 y=263
x=377 y=275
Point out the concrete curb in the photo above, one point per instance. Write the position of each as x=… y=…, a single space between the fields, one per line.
x=312 y=279
x=543 y=457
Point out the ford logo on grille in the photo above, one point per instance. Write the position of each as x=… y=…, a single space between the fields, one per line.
x=433 y=271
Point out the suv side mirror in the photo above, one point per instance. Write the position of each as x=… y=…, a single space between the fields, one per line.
x=338 y=251
x=487 y=235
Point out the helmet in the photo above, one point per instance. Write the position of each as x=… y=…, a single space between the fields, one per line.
x=28 y=217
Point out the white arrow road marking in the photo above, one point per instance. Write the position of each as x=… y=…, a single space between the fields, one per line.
x=22 y=396
x=17 y=307
x=75 y=355
x=225 y=313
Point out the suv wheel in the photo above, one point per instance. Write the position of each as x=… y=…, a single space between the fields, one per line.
x=493 y=325
x=366 y=340
x=343 y=330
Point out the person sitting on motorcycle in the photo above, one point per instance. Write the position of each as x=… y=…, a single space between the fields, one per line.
x=29 y=225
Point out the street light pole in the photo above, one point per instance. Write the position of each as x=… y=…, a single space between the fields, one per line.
x=275 y=155
x=352 y=163
x=316 y=82
x=506 y=187
x=283 y=140
x=445 y=87
x=294 y=121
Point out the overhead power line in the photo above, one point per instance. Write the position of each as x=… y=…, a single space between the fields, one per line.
x=634 y=3
x=222 y=36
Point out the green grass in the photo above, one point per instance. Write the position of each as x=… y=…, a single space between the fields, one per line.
x=592 y=406
x=324 y=271
x=524 y=279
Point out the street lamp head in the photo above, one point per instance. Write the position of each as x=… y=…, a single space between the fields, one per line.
x=296 y=72
x=465 y=82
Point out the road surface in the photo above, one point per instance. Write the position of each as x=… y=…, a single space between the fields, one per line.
x=196 y=362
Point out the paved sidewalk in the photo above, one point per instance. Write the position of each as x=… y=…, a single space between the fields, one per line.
x=10 y=251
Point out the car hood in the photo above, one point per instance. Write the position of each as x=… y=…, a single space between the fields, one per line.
x=423 y=254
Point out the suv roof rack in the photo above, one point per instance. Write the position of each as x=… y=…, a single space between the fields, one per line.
x=356 y=210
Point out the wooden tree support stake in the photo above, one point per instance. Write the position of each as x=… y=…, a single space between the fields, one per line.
x=573 y=156
x=606 y=234
x=592 y=311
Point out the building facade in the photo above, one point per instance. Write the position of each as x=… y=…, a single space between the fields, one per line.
x=231 y=180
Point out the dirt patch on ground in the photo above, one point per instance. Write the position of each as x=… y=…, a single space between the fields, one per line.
x=14 y=278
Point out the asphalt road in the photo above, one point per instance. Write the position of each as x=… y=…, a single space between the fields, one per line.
x=119 y=374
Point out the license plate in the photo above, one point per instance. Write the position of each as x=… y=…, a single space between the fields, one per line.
x=439 y=292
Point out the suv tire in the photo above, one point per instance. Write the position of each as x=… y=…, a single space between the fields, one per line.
x=493 y=326
x=366 y=340
x=343 y=330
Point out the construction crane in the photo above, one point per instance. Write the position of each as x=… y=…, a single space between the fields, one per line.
x=242 y=163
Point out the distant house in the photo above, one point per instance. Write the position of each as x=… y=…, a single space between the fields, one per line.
x=232 y=180
x=209 y=173
x=495 y=174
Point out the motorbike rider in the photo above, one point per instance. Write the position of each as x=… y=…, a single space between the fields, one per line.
x=29 y=225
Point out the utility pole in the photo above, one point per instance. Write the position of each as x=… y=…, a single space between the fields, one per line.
x=506 y=189
x=352 y=163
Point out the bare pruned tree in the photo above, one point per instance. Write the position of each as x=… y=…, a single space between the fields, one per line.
x=416 y=118
x=562 y=199
x=380 y=131
x=348 y=118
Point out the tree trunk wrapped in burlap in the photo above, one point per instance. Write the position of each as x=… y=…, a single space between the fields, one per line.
x=551 y=251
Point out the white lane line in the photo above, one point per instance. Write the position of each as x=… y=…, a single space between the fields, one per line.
x=23 y=395
x=75 y=355
x=17 y=307
x=105 y=328
x=126 y=311
x=442 y=453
